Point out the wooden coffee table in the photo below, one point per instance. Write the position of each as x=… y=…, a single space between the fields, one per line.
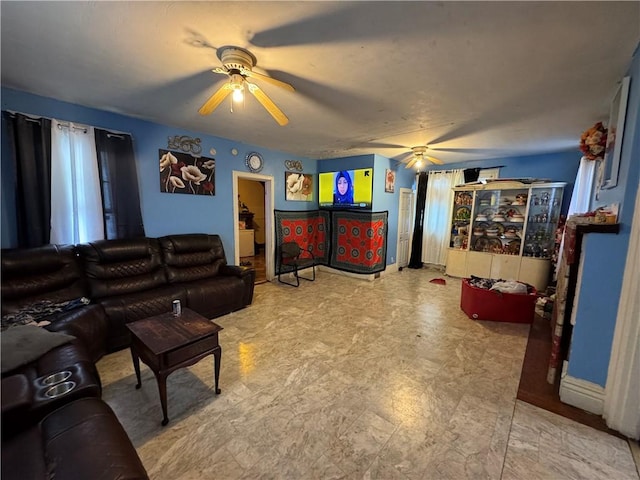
x=167 y=342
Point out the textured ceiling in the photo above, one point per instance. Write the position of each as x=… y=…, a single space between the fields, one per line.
x=470 y=79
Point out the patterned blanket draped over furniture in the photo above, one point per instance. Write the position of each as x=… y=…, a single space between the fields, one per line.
x=306 y=228
x=359 y=241
x=345 y=240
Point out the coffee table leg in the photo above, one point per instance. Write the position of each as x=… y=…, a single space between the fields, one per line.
x=136 y=367
x=162 y=388
x=217 y=356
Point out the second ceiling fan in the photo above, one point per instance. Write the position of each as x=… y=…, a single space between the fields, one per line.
x=237 y=64
x=420 y=155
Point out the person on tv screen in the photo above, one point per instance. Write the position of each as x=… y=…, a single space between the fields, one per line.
x=343 y=193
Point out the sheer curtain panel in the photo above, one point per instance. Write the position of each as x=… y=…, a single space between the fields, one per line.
x=76 y=204
x=119 y=183
x=30 y=142
x=438 y=211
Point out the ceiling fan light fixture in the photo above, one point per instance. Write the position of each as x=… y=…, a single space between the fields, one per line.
x=237 y=87
x=237 y=94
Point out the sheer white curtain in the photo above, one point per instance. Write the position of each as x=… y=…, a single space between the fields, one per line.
x=76 y=205
x=581 y=196
x=437 y=216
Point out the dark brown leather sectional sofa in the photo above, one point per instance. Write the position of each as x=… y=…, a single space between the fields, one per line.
x=77 y=436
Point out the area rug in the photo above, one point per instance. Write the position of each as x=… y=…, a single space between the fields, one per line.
x=306 y=228
x=359 y=241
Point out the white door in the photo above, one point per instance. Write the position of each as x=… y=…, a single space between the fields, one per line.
x=405 y=219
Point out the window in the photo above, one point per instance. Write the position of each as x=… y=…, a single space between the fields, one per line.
x=76 y=202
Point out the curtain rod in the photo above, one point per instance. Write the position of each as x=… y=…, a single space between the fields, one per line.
x=72 y=127
x=30 y=118
x=449 y=171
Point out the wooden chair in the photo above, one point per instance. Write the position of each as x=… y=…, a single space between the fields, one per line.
x=294 y=258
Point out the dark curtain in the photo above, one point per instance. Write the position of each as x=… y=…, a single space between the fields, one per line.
x=119 y=185
x=416 y=242
x=30 y=143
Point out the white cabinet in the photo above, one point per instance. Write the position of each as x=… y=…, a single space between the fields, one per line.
x=478 y=265
x=247 y=243
x=456 y=262
x=504 y=229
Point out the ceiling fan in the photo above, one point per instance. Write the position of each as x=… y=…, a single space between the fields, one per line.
x=237 y=64
x=419 y=156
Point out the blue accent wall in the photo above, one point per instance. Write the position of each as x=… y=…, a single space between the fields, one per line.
x=163 y=213
x=557 y=167
x=605 y=255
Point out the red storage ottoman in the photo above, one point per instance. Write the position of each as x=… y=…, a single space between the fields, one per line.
x=483 y=304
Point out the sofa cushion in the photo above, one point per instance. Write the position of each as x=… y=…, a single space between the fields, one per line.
x=24 y=344
x=41 y=312
x=216 y=296
x=122 y=266
x=51 y=272
x=122 y=309
x=192 y=257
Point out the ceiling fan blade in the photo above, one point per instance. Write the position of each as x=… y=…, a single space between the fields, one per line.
x=267 y=78
x=215 y=99
x=435 y=160
x=411 y=162
x=268 y=104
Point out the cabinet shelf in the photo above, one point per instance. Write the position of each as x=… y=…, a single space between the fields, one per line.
x=528 y=213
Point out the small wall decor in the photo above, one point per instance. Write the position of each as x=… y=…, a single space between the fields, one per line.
x=389 y=181
x=617 y=117
x=185 y=143
x=254 y=162
x=293 y=165
x=298 y=186
x=182 y=173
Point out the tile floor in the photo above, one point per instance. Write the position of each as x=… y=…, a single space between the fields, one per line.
x=344 y=378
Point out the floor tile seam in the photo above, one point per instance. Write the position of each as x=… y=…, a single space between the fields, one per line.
x=382 y=447
x=506 y=452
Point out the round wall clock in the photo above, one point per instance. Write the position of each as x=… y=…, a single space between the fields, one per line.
x=254 y=162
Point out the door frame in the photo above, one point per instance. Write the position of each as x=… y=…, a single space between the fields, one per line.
x=411 y=222
x=269 y=218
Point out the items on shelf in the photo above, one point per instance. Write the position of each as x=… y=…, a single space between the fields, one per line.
x=504 y=220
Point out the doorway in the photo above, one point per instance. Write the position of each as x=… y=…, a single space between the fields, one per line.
x=253 y=228
x=405 y=220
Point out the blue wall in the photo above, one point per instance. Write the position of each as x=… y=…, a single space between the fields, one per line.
x=605 y=256
x=163 y=213
x=557 y=167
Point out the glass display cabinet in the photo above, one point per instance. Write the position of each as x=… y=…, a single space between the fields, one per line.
x=504 y=229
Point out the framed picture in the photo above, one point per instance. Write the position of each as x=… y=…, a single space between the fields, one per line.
x=615 y=127
x=184 y=173
x=298 y=186
x=389 y=181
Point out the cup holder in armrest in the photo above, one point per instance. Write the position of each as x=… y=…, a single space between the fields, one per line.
x=55 y=378
x=60 y=389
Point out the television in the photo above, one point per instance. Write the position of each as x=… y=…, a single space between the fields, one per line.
x=346 y=189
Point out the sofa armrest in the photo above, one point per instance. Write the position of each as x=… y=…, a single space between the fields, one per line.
x=16 y=394
x=89 y=324
x=17 y=398
x=235 y=271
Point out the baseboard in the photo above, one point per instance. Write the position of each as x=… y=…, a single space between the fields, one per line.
x=360 y=276
x=582 y=394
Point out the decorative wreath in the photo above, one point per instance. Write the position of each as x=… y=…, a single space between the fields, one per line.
x=593 y=142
